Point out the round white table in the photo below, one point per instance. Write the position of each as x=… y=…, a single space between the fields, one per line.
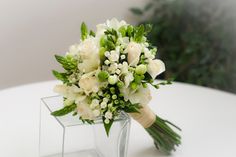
x=206 y=116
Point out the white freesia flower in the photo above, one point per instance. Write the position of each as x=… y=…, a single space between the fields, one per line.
x=113 y=67
x=155 y=67
x=141 y=95
x=73 y=50
x=124 y=67
x=101 y=28
x=124 y=41
x=89 y=54
x=114 y=56
x=89 y=83
x=134 y=50
x=85 y=111
x=128 y=78
x=115 y=24
x=72 y=93
x=148 y=54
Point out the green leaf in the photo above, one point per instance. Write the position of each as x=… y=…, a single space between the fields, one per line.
x=139 y=33
x=136 y=11
x=108 y=126
x=92 y=33
x=130 y=31
x=60 y=76
x=84 y=31
x=65 y=110
x=132 y=108
x=68 y=63
x=122 y=30
x=102 y=54
x=148 y=28
x=148 y=6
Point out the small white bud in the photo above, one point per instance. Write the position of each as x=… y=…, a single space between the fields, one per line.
x=122 y=56
x=107 y=54
x=107 y=121
x=95 y=102
x=107 y=62
x=103 y=104
x=108 y=115
x=112 y=79
x=105 y=100
x=100 y=93
x=118 y=71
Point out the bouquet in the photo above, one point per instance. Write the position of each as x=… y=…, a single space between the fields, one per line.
x=109 y=71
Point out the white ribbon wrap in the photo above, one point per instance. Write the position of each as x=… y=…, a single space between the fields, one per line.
x=146 y=117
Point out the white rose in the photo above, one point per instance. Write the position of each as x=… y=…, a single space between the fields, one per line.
x=89 y=84
x=134 y=50
x=89 y=54
x=85 y=111
x=155 y=67
x=141 y=95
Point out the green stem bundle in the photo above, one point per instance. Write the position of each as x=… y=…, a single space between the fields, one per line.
x=165 y=138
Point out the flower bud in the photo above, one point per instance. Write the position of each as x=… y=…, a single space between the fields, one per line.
x=133 y=85
x=112 y=79
x=141 y=69
x=103 y=75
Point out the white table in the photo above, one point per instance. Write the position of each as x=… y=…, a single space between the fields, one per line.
x=207 y=117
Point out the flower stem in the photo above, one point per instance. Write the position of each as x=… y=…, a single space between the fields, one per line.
x=165 y=138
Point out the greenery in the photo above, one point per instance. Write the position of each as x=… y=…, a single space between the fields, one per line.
x=195 y=40
x=164 y=137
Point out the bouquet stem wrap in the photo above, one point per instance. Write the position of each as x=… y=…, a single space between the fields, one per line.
x=165 y=138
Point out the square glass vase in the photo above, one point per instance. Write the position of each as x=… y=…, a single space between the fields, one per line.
x=68 y=136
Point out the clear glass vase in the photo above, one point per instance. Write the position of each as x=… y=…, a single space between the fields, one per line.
x=68 y=136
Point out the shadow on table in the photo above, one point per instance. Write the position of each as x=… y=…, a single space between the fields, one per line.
x=152 y=151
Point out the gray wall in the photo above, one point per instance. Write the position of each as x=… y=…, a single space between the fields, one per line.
x=32 y=31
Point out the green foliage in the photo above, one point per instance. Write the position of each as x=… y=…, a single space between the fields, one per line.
x=108 y=126
x=132 y=108
x=68 y=63
x=92 y=33
x=61 y=76
x=139 y=33
x=84 y=31
x=197 y=45
x=165 y=138
x=65 y=110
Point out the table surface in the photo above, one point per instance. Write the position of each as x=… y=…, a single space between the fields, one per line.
x=206 y=116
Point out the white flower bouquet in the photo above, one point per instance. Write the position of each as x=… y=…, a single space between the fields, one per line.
x=108 y=72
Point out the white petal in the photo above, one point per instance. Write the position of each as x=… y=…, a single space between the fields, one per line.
x=155 y=67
